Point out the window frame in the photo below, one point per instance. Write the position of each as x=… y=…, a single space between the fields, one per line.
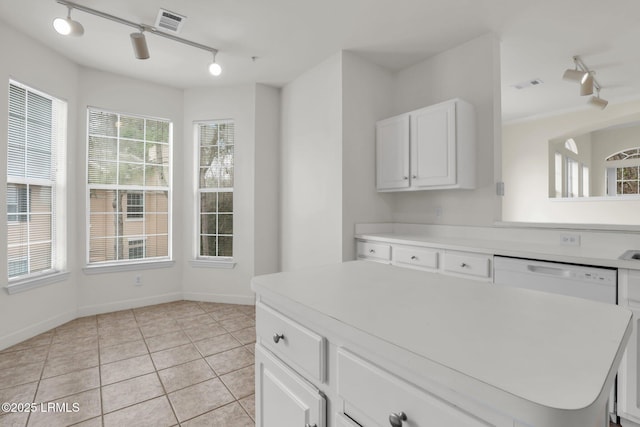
x=56 y=200
x=126 y=264
x=217 y=261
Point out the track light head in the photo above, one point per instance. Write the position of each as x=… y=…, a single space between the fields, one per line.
x=67 y=26
x=586 y=85
x=215 y=69
x=139 y=43
x=574 y=75
x=596 y=101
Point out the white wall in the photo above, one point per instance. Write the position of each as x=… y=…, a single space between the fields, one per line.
x=29 y=313
x=102 y=292
x=525 y=150
x=366 y=91
x=471 y=72
x=311 y=167
x=267 y=180
x=218 y=284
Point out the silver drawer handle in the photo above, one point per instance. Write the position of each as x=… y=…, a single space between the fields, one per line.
x=372 y=251
x=413 y=257
x=277 y=337
x=396 y=419
x=310 y=425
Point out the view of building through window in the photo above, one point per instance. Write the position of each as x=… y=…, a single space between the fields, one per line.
x=129 y=169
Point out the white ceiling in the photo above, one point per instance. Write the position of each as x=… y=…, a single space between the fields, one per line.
x=290 y=36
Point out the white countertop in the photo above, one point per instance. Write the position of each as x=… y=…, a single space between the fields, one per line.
x=551 y=350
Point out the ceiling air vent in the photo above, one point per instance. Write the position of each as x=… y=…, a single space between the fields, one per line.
x=170 y=21
x=527 y=84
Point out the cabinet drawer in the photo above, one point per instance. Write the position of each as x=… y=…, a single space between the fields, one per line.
x=296 y=345
x=469 y=264
x=374 y=251
x=412 y=256
x=370 y=392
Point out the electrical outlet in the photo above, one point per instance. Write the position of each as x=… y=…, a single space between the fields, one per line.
x=138 y=280
x=570 y=239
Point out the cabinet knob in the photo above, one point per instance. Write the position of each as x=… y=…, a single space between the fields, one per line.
x=405 y=178
x=372 y=251
x=396 y=419
x=414 y=176
x=413 y=257
x=463 y=265
x=277 y=337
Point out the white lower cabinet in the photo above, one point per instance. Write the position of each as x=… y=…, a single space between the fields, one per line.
x=283 y=398
x=374 y=397
x=629 y=373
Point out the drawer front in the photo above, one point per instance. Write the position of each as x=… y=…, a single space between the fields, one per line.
x=469 y=264
x=296 y=345
x=411 y=256
x=370 y=392
x=374 y=251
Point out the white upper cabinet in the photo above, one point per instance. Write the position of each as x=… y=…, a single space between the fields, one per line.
x=392 y=145
x=429 y=148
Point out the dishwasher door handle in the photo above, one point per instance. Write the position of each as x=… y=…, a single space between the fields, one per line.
x=549 y=271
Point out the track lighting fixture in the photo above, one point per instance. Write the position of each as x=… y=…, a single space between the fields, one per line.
x=215 y=69
x=596 y=101
x=586 y=85
x=67 y=26
x=587 y=81
x=139 y=42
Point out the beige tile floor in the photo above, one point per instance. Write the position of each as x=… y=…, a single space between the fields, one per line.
x=183 y=363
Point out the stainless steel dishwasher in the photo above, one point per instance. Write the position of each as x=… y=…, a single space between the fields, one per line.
x=592 y=283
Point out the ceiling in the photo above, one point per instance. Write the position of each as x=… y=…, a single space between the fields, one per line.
x=288 y=37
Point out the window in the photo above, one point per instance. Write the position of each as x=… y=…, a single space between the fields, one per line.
x=135 y=205
x=35 y=148
x=623 y=172
x=215 y=141
x=136 y=249
x=129 y=169
x=571 y=175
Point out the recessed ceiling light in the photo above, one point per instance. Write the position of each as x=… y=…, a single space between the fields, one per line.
x=527 y=84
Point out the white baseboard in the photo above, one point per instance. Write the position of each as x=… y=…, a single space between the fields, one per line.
x=89 y=310
x=36 y=329
x=224 y=298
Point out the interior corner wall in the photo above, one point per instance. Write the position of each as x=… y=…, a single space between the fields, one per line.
x=266 y=180
x=311 y=167
x=468 y=72
x=110 y=291
x=366 y=91
x=29 y=313
x=203 y=283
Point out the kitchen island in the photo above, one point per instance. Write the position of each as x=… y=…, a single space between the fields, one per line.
x=376 y=344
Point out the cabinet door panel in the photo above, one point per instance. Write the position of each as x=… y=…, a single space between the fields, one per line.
x=392 y=153
x=283 y=398
x=433 y=146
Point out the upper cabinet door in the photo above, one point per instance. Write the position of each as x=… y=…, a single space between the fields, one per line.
x=433 y=146
x=392 y=153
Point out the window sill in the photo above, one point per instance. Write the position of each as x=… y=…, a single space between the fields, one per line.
x=213 y=263
x=29 y=283
x=114 y=268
